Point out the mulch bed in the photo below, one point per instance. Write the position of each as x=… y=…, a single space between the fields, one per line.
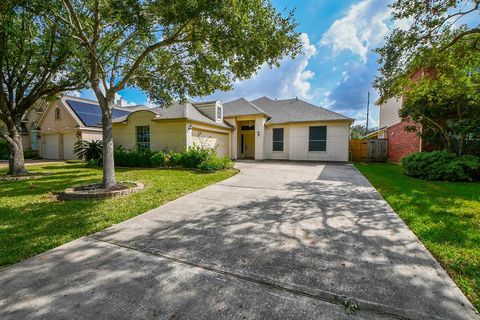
x=95 y=191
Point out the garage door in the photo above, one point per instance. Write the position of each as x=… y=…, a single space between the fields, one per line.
x=68 y=145
x=207 y=139
x=50 y=146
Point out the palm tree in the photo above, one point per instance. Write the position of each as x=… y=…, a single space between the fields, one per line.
x=88 y=150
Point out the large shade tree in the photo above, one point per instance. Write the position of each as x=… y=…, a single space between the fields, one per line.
x=433 y=24
x=444 y=50
x=35 y=63
x=172 y=49
x=446 y=99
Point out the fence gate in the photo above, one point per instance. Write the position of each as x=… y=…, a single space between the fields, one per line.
x=368 y=150
x=358 y=150
x=377 y=150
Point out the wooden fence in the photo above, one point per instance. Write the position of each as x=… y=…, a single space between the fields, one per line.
x=368 y=150
x=358 y=150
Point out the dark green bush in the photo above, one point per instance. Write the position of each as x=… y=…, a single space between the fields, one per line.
x=30 y=154
x=92 y=163
x=4 y=151
x=441 y=165
x=215 y=163
x=193 y=158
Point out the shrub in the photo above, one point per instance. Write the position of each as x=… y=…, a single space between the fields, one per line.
x=30 y=154
x=175 y=159
x=94 y=163
x=159 y=159
x=215 y=163
x=4 y=150
x=441 y=165
x=194 y=156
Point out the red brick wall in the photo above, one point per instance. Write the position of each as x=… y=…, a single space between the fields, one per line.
x=401 y=143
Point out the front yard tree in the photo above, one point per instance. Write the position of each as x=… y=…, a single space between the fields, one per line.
x=432 y=24
x=34 y=64
x=446 y=100
x=172 y=49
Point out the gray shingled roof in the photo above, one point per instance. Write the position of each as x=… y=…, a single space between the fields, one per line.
x=240 y=107
x=262 y=101
x=296 y=110
x=180 y=111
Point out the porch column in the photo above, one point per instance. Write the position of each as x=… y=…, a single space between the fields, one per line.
x=233 y=139
x=189 y=136
x=259 y=138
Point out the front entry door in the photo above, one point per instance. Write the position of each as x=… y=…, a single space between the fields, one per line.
x=249 y=145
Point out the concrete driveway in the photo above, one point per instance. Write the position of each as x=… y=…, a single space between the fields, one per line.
x=279 y=240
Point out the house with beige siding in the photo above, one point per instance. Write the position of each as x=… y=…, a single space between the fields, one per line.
x=260 y=129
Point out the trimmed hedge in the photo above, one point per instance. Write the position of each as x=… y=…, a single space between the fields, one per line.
x=193 y=158
x=441 y=165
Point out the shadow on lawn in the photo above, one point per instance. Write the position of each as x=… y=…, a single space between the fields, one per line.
x=326 y=238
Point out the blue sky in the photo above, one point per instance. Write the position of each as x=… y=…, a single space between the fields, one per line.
x=337 y=65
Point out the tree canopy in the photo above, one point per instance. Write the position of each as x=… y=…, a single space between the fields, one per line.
x=436 y=25
x=36 y=61
x=172 y=49
x=446 y=101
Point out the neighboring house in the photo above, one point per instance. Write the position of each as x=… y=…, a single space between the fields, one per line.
x=400 y=142
x=29 y=127
x=289 y=129
x=68 y=120
x=260 y=129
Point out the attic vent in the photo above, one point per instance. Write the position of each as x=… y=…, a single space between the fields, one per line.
x=219 y=112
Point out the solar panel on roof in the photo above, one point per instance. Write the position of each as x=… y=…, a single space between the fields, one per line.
x=91 y=114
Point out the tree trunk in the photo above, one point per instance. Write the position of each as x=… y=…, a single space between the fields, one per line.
x=108 y=161
x=16 y=161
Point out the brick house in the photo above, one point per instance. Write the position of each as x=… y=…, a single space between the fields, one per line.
x=400 y=142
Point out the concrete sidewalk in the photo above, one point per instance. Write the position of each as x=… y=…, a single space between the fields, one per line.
x=39 y=162
x=279 y=241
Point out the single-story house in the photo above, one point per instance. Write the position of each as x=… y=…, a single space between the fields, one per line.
x=289 y=129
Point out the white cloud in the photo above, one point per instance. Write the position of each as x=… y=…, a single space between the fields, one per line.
x=291 y=79
x=362 y=28
x=73 y=93
x=361 y=117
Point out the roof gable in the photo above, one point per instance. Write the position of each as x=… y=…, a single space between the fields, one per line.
x=241 y=107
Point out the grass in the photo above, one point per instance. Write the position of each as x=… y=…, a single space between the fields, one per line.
x=31 y=221
x=445 y=216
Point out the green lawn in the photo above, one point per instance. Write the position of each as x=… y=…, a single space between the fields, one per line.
x=444 y=215
x=31 y=221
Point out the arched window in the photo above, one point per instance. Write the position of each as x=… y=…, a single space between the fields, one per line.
x=57 y=114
